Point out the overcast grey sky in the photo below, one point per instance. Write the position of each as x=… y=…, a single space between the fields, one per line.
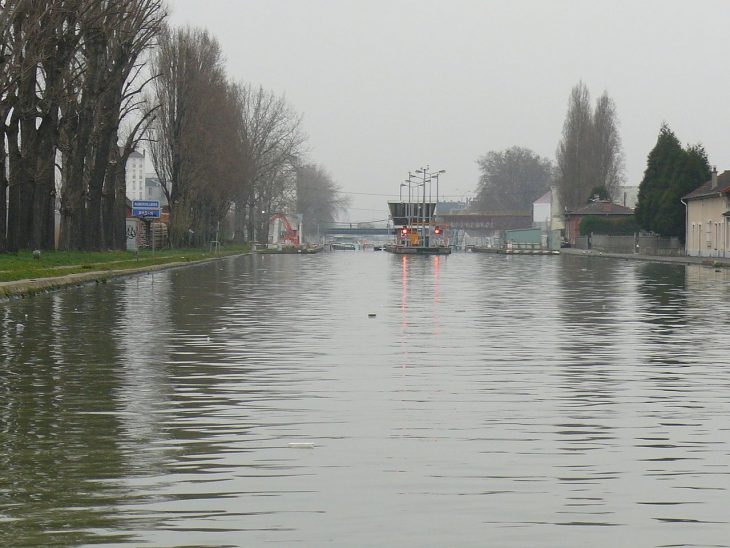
x=386 y=86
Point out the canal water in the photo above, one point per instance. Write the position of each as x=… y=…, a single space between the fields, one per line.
x=490 y=401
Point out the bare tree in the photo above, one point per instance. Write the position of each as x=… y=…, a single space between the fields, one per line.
x=125 y=35
x=134 y=107
x=608 y=160
x=574 y=153
x=589 y=154
x=319 y=198
x=194 y=141
x=271 y=139
x=63 y=68
x=38 y=39
x=7 y=73
x=512 y=179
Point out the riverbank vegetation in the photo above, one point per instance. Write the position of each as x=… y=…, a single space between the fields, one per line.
x=510 y=180
x=84 y=83
x=589 y=166
x=589 y=156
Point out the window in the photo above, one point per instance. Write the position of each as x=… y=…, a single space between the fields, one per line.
x=717 y=234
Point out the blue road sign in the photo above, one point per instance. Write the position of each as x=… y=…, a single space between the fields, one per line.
x=146 y=208
x=145 y=212
x=146 y=204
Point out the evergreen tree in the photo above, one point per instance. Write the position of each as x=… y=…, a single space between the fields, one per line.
x=660 y=165
x=671 y=172
x=600 y=192
x=692 y=171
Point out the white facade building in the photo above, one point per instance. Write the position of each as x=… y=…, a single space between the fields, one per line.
x=541 y=211
x=135 y=170
x=628 y=196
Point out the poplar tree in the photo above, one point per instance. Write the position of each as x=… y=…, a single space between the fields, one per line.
x=589 y=154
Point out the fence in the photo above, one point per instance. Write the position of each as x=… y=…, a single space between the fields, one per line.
x=642 y=244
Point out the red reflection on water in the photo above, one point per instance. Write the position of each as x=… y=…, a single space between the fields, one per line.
x=404 y=290
x=436 y=269
x=404 y=309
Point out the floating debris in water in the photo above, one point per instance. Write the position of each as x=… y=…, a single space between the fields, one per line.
x=301 y=445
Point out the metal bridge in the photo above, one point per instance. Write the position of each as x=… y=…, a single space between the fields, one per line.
x=354 y=231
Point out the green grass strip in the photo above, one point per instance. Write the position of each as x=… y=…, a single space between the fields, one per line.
x=22 y=265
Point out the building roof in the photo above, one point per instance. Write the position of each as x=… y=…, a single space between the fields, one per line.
x=723 y=185
x=545 y=198
x=602 y=207
x=450 y=207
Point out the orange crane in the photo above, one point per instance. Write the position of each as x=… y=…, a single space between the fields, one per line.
x=290 y=235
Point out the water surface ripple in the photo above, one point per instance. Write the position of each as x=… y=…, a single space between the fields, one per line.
x=492 y=401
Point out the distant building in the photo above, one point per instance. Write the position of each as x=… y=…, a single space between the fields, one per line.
x=541 y=211
x=708 y=214
x=628 y=196
x=153 y=190
x=450 y=207
x=135 y=177
x=482 y=227
x=557 y=219
x=599 y=208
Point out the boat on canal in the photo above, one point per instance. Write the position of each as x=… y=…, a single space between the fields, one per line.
x=416 y=227
x=279 y=249
x=417 y=250
x=343 y=246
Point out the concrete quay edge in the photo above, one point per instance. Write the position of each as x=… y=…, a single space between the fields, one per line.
x=702 y=261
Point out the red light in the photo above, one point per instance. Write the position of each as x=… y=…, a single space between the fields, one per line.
x=437 y=230
x=404 y=231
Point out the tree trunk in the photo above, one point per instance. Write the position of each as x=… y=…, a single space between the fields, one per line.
x=119 y=214
x=108 y=195
x=252 y=236
x=44 y=196
x=3 y=195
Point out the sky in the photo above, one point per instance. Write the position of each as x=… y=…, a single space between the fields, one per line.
x=388 y=86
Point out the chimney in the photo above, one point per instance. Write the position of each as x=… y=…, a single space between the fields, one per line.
x=713 y=184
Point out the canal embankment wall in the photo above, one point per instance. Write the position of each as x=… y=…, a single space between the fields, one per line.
x=642 y=244
x=676 y=259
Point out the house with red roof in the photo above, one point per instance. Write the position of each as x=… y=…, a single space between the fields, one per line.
x=602 y=208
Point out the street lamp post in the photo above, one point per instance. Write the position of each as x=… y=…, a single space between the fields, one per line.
x=427 y=176
x=436 y=175
x=410 y=203
x=424 y=217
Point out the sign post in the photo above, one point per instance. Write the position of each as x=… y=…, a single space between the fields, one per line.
x=147 y=210
x=132 y=225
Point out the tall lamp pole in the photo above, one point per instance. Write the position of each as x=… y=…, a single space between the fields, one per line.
x=436 y=175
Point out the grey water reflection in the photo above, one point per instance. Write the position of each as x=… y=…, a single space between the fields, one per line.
x=467 y=400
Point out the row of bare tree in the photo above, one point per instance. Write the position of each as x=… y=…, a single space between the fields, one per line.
x=70 y=74
x=588 y=161
x=83 y=82
x=215 y=143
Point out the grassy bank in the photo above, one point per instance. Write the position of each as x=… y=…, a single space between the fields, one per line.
x=22 y=266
